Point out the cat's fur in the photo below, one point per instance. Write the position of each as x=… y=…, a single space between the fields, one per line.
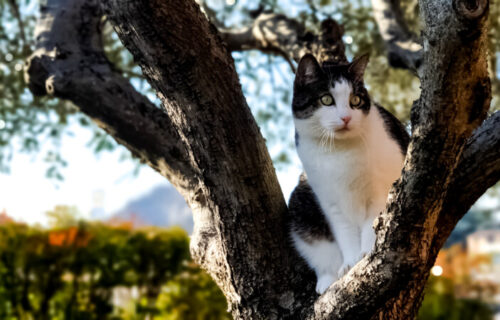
x=351 y=157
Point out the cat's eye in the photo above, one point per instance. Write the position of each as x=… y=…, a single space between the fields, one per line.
x=355 y=100
x=326 y=100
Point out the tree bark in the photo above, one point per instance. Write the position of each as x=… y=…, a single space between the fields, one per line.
x=206 y=142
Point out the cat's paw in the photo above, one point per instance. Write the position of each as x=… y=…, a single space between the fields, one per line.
x=344 y=269
x=324 y=282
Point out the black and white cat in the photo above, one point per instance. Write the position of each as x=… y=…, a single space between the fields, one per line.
x=352 y=151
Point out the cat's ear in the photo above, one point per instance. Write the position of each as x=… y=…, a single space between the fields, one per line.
x=358 y=66
x=308 y=70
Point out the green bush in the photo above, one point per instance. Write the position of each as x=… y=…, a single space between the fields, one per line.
x=440 y=303
x=72 y=272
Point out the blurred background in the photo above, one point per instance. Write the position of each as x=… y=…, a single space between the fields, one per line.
x=87 y=232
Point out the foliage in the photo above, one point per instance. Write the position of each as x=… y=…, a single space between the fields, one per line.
x=192 y=295
x=440 y=303
x=25 y=120
x=77 y=272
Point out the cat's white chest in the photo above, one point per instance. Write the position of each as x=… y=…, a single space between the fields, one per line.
x=339 y=179
x=353 y=180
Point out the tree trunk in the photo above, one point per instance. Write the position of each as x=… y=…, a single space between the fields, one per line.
x=206 y=142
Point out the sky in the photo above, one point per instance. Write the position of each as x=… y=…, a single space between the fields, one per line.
x=89 y=180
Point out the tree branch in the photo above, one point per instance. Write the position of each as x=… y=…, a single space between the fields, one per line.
x=403 y=49
x=15 y=12
x=240 y=235
x=408 y=235
x=69 y=63
x=478 y=170
x=271 y=33
x=277 y=34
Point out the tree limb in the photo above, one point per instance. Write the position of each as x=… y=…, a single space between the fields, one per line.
x=69 y=63
x=403 y=50
x=478 y=170
x=15 y=12
x=271 y=33
x=278 y=34
x=240 y=235
x=408 y=234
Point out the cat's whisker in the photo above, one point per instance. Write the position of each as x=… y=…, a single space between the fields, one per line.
x=324 y=139
x=332 y=140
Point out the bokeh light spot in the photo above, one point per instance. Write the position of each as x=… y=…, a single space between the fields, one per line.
x=437 y=271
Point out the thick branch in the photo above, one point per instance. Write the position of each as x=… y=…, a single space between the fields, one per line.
x=402 y=48
x=278 y=34
x=408 y=234
x=240 y=235
x=272 y=33
x=69 y=63
x=275 y=33
x=478 y=170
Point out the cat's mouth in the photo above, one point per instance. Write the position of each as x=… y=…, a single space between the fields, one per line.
x=345 y=128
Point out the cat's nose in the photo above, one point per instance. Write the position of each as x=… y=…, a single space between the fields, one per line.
x=346 y=119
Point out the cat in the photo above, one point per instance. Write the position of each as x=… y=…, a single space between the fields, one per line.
x=352 y=151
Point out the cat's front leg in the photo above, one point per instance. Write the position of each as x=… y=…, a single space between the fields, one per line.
x=367 y=237
x=347 y=234
x=324 y=282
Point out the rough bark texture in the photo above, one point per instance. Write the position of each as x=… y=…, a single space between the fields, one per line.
x=275 y=33
x=207 y=144
x=239 y=235
x=69 y=63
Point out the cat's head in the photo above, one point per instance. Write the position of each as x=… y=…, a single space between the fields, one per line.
x=330 y=100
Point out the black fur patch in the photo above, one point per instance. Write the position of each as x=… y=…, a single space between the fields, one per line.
x=305 y=215
x=395 y=128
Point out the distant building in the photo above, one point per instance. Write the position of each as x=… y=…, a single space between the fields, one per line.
x=484 y=242
x=483 y=250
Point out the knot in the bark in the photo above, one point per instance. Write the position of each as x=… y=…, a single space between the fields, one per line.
x=470 y=9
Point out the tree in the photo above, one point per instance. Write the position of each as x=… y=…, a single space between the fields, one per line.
x=206 y=142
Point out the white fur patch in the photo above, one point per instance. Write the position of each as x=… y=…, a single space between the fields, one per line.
x=323 y=256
